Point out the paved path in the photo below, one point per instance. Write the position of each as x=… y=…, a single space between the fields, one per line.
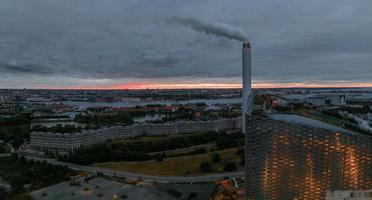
x=4 y=184
x=108 y=172
x=5 y=155
x=12 y=150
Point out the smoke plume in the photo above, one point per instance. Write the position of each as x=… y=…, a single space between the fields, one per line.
x=211 y=27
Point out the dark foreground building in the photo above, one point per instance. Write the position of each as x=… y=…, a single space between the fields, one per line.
x=292 y=161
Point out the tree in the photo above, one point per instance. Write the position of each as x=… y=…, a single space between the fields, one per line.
x=23 y=196
x=205 y=166
x=230 y=166
x=159 y=157
x=240 y=151
x=200 y=150
x=2 y=193
x=242 y=163
x=14 y=157
x=216 y=158
x=3 y=149
x=138 y=149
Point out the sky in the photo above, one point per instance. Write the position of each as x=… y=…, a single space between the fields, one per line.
x=132 y=44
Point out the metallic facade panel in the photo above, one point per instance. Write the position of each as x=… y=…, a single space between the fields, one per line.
x=292 y=161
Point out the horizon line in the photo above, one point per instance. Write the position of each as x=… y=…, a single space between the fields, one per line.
x=156 y=86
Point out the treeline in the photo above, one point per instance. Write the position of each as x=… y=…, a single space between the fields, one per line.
x=230 y=140
x=134 y=112
x=51 y=117
x=15 y=129
x=349 y=123
x=333 y=113
x=3 y=149
x=207 y=166
x=18 y=172
x=336 y=114
x=59 y=128
x=263 y=99
x=139 y=150
x=167 y=143
x=15 y=135
x=120 y=117
x=295 y=106
x=15 y=120
x=356 y=128
x=362 y=110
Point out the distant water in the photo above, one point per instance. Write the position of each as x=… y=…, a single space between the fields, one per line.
x=51 y=124
x=298 y=96
x=355 y=95
x=209 y=102
x=149 y=118
x=366 y=95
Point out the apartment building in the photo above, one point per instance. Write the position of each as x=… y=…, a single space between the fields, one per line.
x=65 y=142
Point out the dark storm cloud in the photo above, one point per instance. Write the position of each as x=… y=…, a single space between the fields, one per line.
x=156 y=62
x=25 y=69
x=306 y=41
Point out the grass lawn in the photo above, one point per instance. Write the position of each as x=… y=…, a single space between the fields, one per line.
x=328 y=119
x=177 y=152
x=142 y=139
x=321 y=117
x=176 y=166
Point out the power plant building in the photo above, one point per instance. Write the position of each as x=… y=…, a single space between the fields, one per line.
x=288 y=160
x=295 y=161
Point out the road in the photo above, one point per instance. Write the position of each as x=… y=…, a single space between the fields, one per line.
x=123 y=174
x=12 y=150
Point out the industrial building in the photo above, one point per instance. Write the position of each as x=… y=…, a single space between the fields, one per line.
x=291 y=160
x=327 y=100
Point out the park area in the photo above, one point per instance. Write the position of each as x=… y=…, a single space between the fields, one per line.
x=181 y=165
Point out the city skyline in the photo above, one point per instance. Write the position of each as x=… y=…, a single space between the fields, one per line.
x=132 y=45
x=215 y=86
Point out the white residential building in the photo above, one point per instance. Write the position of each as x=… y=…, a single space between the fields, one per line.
x=66 y=142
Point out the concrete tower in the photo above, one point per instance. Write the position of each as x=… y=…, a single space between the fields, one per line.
x=247 y=81
x=247 y=87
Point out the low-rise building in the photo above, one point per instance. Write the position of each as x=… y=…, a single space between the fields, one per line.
x=327 y=100
x=349 y=195
x=65 y=142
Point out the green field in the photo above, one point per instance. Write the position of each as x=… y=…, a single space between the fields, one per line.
x=321 y=117
x=176 y=166
x=183 y=151
x=327 y=119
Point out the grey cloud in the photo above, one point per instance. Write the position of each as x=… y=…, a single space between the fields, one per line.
x=25 y=69
x=155 y=61
x=292 y=40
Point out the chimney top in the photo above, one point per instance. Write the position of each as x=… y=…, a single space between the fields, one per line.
x=246 y=45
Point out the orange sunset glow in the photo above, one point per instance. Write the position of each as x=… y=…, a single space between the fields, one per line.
x=154 y=85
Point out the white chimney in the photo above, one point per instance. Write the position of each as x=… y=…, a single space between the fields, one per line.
x=246 y=64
